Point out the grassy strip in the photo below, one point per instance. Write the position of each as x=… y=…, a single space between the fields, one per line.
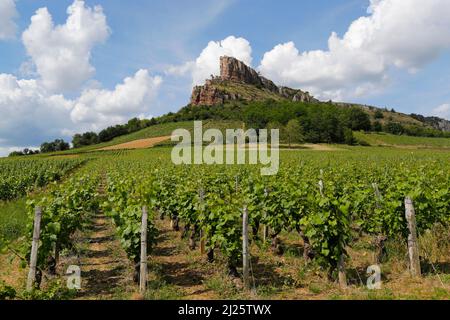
x=13 y=219
x=376 y=139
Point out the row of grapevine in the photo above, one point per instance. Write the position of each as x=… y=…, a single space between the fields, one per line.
x=65 y=210
x=124 y=204
x=328 y=202
x=21 y=176
x=329 y=217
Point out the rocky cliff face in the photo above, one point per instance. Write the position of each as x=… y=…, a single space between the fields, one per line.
x=444 y=125
x=232 y=71
x=206 y=95
x=438 y=123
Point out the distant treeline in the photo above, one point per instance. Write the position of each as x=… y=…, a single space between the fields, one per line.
x=46 y=147
x=317 y=123
x=24 y=152
x=90 y=138
x=320 y=122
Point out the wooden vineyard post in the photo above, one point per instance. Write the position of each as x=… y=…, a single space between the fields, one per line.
x=377 y=194
x=413 y=247
x=321 y=183
x=245 y=253
x=341 y=263
x=341 y=273
x=265 y=227
x=202 y=239
x=34 y=249
x=380 y=238
x=143 y=269
x=321 y=187
x=202 y=243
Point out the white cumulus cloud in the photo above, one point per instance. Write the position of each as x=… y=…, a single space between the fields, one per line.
x=31 y=114
x=207 y=63
x=62 y=53
x=35 y=115
x=443 y=111
x=396 y=33
x=99 y=107
x=37 y=109
x=8 y=13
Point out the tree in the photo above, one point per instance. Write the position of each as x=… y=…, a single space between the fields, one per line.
x=85 y=139
x=293 y=132
x=16 y=154
x=379 y=114
x=377 y=127
x=272 y=126
x=111 y=132
x=394 y=128
x=348 y=136
x=134 y=125
x=357 y=119
x=57 y=145
x=24 y=152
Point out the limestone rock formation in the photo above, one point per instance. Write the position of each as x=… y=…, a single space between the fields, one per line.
x=444 y=125
x=206 y=95
x=232 y=71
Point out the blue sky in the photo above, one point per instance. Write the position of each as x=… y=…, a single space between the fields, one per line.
x=388 y=55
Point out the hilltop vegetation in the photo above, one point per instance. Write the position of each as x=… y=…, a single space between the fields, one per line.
x=319 y=122
x=385 y=139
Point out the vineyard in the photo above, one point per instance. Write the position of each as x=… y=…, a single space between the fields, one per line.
x=17 y=177
x=316 y=212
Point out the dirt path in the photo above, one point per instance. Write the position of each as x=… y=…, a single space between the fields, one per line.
x=180 y=269
x=105 y=271
x=138 y=144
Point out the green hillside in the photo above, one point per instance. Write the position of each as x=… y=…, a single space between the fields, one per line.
x=166 y=129
x=316 y=122
x=158 y=130
x=385 y=139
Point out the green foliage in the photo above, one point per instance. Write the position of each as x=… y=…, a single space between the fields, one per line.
x=378 y=114
x=17 y=177
x=377 y=127
x=7 y=292
x=56 y=290
x=125 y=204
x=394 y=128
x=25 y=152
x=212 y=198
x=293 y=132
x=321 y=122
x=376 y=139
x=13 y=218
x=90 y=138
x=64 y=209
x=355 y=119
x=348 y=136
x=57 y=145
x=85 y=139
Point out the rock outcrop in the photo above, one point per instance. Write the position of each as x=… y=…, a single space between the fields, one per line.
x=438 y=123
x=206 y=95
x=232 y=69
x=443 y=125
x=217 y=90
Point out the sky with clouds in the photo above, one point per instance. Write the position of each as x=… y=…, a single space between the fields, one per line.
x=69 y=66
